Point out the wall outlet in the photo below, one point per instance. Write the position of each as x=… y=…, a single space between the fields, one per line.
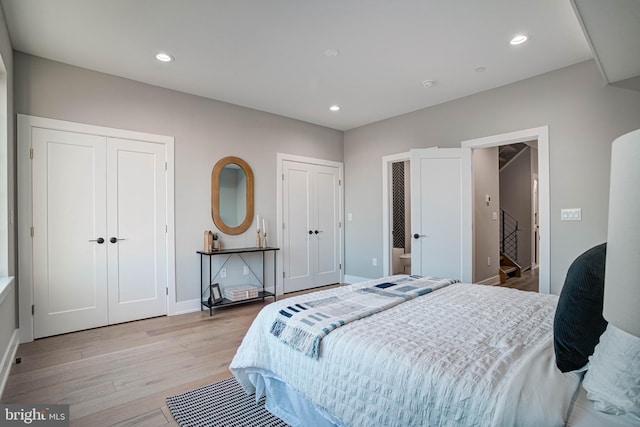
x=245 y=270
x=223 y=273
x=488 y=260
x=374 y=262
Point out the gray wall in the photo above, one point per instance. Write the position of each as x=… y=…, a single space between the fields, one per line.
x=516 y=198
x=8 y=307
x=486 y=239
x=204 y=131
x=583 y=114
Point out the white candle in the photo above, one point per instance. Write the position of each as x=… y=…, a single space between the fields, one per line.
x=264 y=227
x=258 y=222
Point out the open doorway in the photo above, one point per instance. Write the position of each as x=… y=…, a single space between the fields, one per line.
x=505 y=214
x=396 y=214
x=400 y=217
x=535 y=221
x=539 y=134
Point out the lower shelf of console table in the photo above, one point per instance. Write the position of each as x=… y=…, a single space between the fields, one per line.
x=204 y=285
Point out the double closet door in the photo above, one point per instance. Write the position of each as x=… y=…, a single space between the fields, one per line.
x=99 y=231
x=311 y=225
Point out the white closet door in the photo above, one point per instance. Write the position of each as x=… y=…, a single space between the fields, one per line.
x=70 y=278
x=297 y=213
x=137 y=244
x=436 y=212
x=311 y=235
x=327 y=211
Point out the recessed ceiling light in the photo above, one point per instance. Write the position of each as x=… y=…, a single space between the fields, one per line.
x=164 y=57
x=428 y=83
x=331 y=52
x=519 y=39
x=481 y=69
x=334 y=108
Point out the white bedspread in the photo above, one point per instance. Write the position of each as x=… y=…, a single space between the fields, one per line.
x=467 y=355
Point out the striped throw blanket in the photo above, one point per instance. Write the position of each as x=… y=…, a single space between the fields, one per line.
x=307 y=319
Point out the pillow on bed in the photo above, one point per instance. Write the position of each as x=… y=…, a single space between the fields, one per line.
x=578 y=322
x=613 y=378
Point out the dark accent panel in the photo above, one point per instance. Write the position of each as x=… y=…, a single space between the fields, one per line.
x=398 y=204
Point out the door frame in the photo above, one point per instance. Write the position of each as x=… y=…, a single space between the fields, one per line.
x=25 y=208
x=541 y=134
x=281 y=158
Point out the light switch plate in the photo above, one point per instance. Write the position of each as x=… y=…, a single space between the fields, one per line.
x=574 y=214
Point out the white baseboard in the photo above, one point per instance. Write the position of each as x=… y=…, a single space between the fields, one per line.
x=354 y=279
x=184 y=307
x=495 y=280
x=7 y=360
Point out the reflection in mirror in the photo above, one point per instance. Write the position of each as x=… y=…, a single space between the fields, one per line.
x=232 y=195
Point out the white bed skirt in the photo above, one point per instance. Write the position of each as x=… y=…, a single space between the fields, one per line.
x=288 y=405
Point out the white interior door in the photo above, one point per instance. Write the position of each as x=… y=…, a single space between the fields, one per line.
x=436 y=212
x=327 y=211
x=297 y=214
x=136 y=229
x=311 y=217
x=69 y=215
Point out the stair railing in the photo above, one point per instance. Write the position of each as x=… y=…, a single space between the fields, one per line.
x=508 y=235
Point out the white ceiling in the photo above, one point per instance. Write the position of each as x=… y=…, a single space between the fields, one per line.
x=270 y=55
x=612 y=28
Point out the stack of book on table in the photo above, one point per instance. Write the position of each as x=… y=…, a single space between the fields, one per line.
x=240 y=292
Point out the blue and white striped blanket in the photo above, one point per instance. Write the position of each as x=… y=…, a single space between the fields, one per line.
x=307 y=319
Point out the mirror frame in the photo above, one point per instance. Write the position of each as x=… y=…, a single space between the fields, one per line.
x=215 y=195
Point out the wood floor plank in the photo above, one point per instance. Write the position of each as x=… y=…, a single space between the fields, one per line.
x=153 y=418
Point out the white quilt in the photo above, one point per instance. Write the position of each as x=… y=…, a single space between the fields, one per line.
x=467 y=355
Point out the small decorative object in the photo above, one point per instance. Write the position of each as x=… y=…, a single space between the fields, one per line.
x=216 y=242
x=258 y=231
x=215 y=295
x=264 y=229
x=208 y=241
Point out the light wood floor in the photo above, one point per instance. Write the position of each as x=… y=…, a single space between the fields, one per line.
x=120 y=375
x=527 y=282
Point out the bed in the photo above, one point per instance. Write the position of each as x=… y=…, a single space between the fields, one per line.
x=460 y=355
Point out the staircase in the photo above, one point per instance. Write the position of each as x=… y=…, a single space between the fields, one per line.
x=508 y=268
x=508 y=247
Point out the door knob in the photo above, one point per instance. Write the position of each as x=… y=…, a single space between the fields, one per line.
x=115 y=239
x=310 y=232
x=100 y=240
x=318 y=231
x=417 y=236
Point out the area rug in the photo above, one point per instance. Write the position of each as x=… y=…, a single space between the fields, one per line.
x=224 y=403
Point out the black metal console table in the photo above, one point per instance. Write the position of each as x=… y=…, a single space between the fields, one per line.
x=204 y=286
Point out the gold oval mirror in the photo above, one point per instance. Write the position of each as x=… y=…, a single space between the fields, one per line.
x=232 y=195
